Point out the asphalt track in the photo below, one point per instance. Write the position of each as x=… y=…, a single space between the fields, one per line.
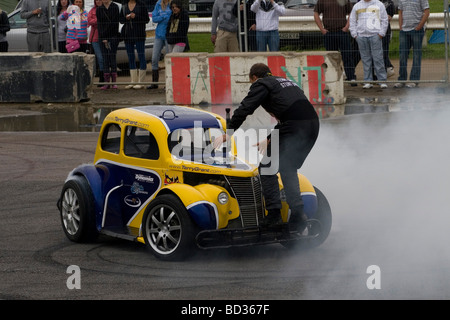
x=386 y=176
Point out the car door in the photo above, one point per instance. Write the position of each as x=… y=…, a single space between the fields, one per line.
x=131 y=181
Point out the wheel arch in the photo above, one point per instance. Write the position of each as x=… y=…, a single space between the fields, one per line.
x=94 y=176
x=199 y=206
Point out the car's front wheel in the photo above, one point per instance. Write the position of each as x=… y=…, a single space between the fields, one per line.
x=319 y=227
x=168 y=230
x=76 y=209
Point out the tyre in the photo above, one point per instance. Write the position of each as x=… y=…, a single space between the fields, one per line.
x=168 y=230
x=77 y=210
x=321 y=225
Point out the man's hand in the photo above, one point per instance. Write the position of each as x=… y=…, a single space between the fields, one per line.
x=219 y=140
x=262 y=146
x=37 y=11
x=213 y=38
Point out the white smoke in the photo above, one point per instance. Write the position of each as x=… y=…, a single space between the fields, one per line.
x=387 y=178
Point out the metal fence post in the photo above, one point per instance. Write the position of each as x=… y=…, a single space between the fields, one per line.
x=446 y=34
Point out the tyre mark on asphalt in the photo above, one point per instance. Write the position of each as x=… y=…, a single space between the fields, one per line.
x=29 y=166
x=49 y=146
x=151 y=267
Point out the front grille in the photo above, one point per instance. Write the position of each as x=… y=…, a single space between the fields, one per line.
x=247 y=192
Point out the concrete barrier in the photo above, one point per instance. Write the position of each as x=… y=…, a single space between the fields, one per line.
x=222 y=78
x=51 y=77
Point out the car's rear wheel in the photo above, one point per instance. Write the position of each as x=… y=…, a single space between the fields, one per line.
x=168 y=230
x=76 y=209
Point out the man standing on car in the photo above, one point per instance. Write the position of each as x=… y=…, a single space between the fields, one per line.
x=38 y=32
x=297 y=130
x=225 y=38
x=334 y=27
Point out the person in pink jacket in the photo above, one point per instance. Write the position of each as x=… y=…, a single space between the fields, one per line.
x=93 y=37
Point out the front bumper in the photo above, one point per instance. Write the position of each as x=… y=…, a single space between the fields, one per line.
x=227 y=238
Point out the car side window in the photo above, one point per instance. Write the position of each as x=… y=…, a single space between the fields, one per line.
x=111 y=138
x=140 y=143
x=16 y=22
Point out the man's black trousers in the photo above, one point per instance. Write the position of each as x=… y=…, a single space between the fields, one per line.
x=296 y=139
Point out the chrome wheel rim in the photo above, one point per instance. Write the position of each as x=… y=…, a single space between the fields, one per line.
x=70 y=212
x=163 y=229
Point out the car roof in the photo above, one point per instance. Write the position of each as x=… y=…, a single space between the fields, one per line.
x=179 y=117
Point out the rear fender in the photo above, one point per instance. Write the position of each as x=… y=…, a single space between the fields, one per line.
x=95 y=175
x=308 y=196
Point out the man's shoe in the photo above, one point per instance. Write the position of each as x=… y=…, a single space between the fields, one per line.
x=399 y=85
x=273 y=218
x=367 y=86
x=298 y=220
x=353 y=83
x=390 y=72
x=411 y=85
x=383 y=86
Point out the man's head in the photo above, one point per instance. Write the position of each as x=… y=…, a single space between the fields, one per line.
x=258 y=70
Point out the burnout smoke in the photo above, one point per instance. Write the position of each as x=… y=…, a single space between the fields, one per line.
x=387 y=178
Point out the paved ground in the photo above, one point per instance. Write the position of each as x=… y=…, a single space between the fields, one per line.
x=385 y=175
x=374 y=169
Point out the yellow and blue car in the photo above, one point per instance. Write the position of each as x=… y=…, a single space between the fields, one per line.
x=157 y=180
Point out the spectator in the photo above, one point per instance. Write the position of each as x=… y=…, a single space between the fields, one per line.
x=134 y=16
x=412 y=16
x=334 y=27
x=108 y=35
x=267 y=14
x=251 y=25
x=224 y=26
x=4 y=28
x=93 y=37
x=61 y=8
x=77 y=24
x=37 y=16
x=368 y=25
x=160 y=15
x=177 y=28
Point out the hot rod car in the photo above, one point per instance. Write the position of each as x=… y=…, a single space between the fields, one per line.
x=149 y=183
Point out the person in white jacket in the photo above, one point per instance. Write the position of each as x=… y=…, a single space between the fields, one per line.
x=368 y=25
x=267 y=14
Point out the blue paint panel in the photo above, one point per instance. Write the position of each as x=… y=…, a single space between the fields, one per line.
x=127 y=188
x=309 y=205
x=204 y=216
x=177 y=117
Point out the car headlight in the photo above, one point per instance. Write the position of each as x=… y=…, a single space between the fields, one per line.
x=222 y=198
